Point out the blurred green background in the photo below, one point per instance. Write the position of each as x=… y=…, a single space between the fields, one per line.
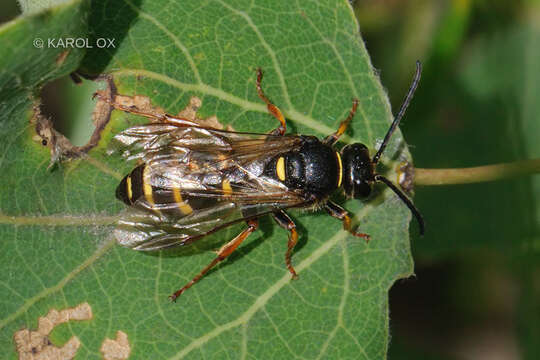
x=476 y=293
x=476 y=290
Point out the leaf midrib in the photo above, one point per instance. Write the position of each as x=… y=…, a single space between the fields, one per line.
x=263 y=299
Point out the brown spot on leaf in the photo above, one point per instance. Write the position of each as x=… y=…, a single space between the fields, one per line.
x=142 y=105
x=118 y=349
x=35 y=345
x=190 y=113
x=139 y=103
x=62 y=57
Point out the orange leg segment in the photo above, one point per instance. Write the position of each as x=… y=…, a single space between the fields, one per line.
x=223 y=253
x=273 y=109
x=339 y=213
x=332 y=139
x=286 y=222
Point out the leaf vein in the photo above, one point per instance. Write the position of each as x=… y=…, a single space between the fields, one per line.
x=172 y=36
x=268 y=48
x=223 y=95
x=157 y=296
x=346 y=72
x=48 y=291
x=278 y=333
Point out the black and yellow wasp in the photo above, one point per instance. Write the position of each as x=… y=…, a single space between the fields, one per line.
x=194 y=180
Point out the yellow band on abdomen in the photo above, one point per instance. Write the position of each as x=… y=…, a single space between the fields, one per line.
x=226 y=186
x=128 y=188
x=147 y=185
x=340 y=169
x=280 y=168
x=182 y=205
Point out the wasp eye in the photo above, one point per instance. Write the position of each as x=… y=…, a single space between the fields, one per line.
x=357 y=171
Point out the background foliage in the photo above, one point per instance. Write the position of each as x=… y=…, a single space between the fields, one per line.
x=476 y=292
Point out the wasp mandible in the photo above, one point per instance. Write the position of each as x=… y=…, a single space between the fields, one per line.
x=194 y=180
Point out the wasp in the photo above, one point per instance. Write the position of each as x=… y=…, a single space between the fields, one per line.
x=194 y=180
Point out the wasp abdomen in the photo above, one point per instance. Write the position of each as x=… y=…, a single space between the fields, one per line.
x=131 y=186
x=137 y=189
x=137 y=184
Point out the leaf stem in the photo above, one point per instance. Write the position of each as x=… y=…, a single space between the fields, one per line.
x=476 y=174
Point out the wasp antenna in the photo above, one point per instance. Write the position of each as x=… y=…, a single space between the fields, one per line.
x=405 y=199
x=401 y=112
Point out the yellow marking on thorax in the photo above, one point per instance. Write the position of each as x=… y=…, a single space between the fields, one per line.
x=128 y=188
x=280 y=168
x=147 y=185
x=226 y=185
x=182 y=205
x=340 y=169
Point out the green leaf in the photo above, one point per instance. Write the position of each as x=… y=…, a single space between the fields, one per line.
x=29 y=7
x=56 y=243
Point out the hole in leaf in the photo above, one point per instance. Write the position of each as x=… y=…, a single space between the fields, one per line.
x=70 y=106
x=10 y=10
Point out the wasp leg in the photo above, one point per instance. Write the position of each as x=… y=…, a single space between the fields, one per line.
x=339 y=213
x=332 y=139
x=286 y=222
x=223 y=253
x=273 y=109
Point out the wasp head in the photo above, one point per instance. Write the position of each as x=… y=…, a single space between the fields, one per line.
x=358 y=171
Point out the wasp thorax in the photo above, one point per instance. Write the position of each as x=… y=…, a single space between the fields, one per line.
x=358 y=171
x=314 y=168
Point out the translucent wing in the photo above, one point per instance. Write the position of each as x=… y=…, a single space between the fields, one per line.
x=145 y=231
x=198 y=180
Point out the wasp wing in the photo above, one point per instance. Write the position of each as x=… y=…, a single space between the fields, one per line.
x=144 y=231
x=199 y=180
